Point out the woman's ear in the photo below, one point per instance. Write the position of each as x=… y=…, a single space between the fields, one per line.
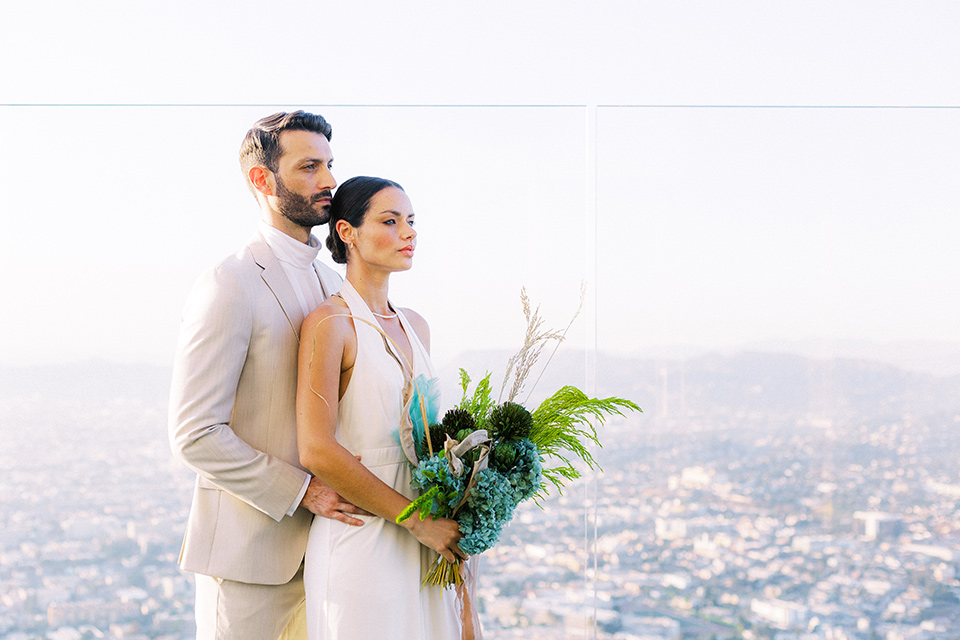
x=346 y=232
x=262 y=180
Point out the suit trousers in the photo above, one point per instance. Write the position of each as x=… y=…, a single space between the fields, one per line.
x=229 y=610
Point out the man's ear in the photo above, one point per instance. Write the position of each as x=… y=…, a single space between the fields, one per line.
x=262 y=180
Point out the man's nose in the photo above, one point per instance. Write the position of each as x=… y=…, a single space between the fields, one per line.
x=326 y=181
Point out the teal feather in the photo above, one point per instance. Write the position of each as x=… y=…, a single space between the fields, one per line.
x=429 y=390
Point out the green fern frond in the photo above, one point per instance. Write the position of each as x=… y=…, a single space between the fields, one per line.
x=562 y=429
x=480 y=403
x=420 y=504
x=464 y=382
x=563 y=423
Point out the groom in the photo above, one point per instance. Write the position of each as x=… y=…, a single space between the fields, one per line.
x=233 y=396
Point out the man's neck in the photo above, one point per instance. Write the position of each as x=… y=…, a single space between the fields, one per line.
x=282 y=224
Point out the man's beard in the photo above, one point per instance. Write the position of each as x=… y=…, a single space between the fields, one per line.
x=300 y=210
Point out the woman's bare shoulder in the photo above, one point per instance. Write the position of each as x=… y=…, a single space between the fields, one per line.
x=332 y=314
x=419 y=325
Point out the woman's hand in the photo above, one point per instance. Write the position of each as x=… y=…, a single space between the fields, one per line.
x=441 y=535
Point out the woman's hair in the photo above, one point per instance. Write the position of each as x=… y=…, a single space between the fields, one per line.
x=351 y=203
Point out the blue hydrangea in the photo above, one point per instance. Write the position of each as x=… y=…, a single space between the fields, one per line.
x=489 y=506
x=433 y=472
x=492 y=500
x=527 y=474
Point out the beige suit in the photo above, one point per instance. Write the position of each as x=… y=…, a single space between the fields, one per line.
x=233 y=418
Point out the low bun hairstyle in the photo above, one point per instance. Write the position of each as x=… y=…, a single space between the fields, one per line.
x=351 y=203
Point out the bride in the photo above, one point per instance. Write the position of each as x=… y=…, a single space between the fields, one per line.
x=364 y=582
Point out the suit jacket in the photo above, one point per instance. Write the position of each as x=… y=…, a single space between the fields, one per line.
x=233 y=418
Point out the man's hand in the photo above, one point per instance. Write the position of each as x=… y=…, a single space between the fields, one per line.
x=324 y=501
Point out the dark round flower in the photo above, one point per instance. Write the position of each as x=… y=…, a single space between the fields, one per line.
x=456 y=420
x=510 y=421
x=438 y=435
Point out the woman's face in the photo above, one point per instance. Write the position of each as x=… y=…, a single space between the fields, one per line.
x=386 y=237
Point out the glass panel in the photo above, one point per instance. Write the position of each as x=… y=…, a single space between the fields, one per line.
x=778 y=287
x=112 y=212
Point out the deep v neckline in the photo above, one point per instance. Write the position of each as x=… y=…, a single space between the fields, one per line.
x=404 y=358
x=398 y=344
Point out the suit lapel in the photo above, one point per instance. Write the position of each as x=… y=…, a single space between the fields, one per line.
x=277 y=281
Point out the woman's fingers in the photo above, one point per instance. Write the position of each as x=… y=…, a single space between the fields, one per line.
x=441 y=535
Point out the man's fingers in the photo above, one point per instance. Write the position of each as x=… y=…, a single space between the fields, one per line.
x=346 y=507
x=339 y=504
x=339 y=511
x=344 y=518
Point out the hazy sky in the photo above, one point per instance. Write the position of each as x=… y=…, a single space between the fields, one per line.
x=716 y=173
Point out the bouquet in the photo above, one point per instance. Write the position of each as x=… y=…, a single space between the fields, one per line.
x=485 y=457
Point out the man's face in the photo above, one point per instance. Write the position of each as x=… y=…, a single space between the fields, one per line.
x=304 y=181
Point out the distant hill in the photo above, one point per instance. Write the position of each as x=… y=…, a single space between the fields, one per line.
x=91 y=379
x=750 y=381
x=938 y=357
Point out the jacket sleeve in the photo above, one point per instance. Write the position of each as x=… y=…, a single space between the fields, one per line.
x=211 y=352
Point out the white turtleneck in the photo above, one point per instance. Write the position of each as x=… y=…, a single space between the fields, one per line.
x=297 y=258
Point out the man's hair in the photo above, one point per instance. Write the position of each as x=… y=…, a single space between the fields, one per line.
x=261 y=145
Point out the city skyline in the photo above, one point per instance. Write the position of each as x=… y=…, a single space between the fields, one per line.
x=753 y=509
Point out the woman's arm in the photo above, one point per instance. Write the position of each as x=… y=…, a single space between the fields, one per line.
x=328 y=348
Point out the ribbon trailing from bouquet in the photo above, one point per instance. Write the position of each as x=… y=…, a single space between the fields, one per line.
x=454 y=451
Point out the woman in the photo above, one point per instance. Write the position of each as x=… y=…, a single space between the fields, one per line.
x=357 y=355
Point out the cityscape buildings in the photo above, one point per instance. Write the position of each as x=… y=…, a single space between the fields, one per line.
x=715 y=515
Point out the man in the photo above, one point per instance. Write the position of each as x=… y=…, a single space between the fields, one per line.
x=233 y=396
